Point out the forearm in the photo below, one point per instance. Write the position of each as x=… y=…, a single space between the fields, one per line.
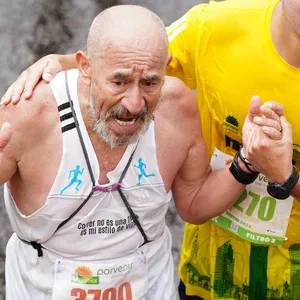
x=67 y=61
x=217 y=193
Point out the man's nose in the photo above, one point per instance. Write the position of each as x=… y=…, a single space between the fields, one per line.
x=134 y=101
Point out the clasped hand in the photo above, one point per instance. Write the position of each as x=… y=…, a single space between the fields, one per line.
x=267 y=140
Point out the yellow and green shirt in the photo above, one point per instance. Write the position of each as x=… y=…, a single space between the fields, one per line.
x=224 y=51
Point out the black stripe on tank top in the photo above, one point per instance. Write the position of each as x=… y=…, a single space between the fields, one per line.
x=66 y=117
x=68 y=127
x=63 y=106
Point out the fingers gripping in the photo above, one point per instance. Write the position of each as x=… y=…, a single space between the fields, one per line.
x=8 y=95
x=272 y=133
x=275 y=107
x=46 y=68
x=34 y=75
x=263 y=121
x=51 y=69
x=15 y=91
x=269 y=120
x=269 y=113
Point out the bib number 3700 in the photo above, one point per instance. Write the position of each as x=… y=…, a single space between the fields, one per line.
x=124 y=292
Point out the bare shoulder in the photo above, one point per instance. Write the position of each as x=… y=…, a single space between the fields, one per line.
x=178 y=102
x=27 y=112
x=30 y=119
x=177 y=127
x=176 y=96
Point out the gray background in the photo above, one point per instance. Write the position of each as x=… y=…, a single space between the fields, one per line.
x=30 y=29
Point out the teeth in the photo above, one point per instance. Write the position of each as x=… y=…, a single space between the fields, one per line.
x=125 y=123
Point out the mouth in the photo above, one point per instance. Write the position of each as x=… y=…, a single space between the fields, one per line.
x=125 y=122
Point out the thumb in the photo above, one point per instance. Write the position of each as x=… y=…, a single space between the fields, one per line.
x=5 y=135
x=287 y=133
x=254 y=109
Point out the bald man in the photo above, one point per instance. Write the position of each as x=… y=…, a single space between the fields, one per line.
x=90 y=162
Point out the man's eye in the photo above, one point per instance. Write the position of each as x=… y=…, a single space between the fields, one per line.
x=149 y=83
x=118 y=83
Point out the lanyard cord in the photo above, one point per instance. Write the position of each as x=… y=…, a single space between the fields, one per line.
x=134 y=217
x=131 y=212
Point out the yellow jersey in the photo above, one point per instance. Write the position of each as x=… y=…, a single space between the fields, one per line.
x=224 y=50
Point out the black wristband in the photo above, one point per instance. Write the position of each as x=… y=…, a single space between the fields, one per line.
x=239 y=174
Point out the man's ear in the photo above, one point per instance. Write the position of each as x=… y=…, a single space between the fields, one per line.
x=84 y=67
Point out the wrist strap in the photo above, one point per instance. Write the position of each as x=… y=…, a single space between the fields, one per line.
x=239 y=174
x=246 y=162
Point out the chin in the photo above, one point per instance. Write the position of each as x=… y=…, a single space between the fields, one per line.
x=125 y=138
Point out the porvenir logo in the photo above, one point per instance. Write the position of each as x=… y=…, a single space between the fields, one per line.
x=231 y=123
x=84 y=275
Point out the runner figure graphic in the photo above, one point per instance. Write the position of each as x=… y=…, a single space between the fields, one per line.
x=141 y=166
x=76 y=172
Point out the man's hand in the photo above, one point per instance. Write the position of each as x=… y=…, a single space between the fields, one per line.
x=46 y=68
x=268 y=140
x=267 y=116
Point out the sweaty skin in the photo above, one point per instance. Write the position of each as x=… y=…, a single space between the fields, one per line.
x=277 y=265
x=127 y=76
x=180 y=169
x=132 y=76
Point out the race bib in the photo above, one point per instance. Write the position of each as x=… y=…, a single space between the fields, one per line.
x=125 y=279
x=255 y=216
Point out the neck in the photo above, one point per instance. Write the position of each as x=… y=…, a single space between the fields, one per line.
x=285 y=40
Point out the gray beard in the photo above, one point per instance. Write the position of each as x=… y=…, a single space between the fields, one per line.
x=101 y=127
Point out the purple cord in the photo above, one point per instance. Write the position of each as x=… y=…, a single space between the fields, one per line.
x=114 y=187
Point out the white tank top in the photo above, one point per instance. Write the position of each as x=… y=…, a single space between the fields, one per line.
x=99 y=253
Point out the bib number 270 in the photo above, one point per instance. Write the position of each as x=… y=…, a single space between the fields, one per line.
x=266 y=205
x=122 y=293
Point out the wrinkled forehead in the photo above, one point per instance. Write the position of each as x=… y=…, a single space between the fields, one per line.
x=137 y=58
x=136 y=72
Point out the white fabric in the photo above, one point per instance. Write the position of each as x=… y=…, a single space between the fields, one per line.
x=102 y=232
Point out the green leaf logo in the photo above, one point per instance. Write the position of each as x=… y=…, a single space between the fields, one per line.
x=232 y=120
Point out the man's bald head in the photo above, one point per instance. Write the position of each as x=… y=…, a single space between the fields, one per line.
x=124 y=68
x=126 y=25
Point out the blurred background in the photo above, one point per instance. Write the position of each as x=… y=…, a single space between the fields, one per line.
x=30 y=29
